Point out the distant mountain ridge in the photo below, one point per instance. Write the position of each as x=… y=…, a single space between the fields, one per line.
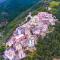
x=1 y=1
x=14 y=7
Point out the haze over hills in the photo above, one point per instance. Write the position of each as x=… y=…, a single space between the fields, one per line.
x=1 y=1
x=14 y=7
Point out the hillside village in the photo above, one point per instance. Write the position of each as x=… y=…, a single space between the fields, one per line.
x=25 y=37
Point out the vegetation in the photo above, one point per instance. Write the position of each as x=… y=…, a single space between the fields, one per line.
x=50 y=45
x=2 y=48
x=8 y=30
x=47 y=48
x=55 y=8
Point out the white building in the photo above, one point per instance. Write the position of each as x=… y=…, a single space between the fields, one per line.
x=31 y=43
x=9 y=54
x=21 y=54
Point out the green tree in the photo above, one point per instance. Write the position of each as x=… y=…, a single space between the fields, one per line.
x=49 y=47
